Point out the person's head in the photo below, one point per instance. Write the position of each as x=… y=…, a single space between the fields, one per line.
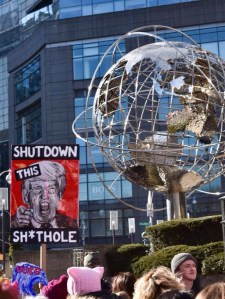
x=92 y=259
x=184 y=266
x=4 y=282
x=124 y=281
x=155 y=282
x=56 y=288
x=43 y=192
x=213 y=291
x=175 y=295
x=9 y=292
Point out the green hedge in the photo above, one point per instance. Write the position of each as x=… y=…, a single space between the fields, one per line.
x=202 y=237
x=201 y=253
x=119 y=259
x=192 y=231
x=214 y=264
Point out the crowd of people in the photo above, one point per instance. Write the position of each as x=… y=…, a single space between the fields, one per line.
x=87 y=282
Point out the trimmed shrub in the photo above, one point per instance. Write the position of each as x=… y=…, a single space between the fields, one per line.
x=188 y=231
x=164 y=256
x=214 y=264
x=202 y=237
x=119 y=259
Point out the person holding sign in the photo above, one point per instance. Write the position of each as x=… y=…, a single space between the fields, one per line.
x=42 y=192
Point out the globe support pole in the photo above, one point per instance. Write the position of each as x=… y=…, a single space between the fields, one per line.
x=176 y=208
x=168 y=209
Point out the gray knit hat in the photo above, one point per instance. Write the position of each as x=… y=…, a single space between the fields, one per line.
x=92 y=259
x=179 y=259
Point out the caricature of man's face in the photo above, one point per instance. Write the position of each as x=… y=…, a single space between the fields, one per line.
x=43 y=199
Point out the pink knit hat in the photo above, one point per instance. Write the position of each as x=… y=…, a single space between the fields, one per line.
x=83 y=280
x=56 y=289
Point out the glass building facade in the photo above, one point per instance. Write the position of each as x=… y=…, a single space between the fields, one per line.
x=71 y=9
x=54 y=76
x=15 y=26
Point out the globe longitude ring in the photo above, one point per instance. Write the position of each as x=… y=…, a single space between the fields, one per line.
x=158 y=112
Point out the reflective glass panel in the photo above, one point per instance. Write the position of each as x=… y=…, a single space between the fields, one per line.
x=71 y=12
x=222 y=50
x=98 y=228
x=27 y=80
x=69 y=3
x=152 y=3
x=90 y=64
x=118 y=5
x=212 y=47
x=102 y=8
x=78 y=69
x=82 y=192
x=132 y=4
x=126 y=189
x=28 y=124
x=96 y=191
x=87 y=10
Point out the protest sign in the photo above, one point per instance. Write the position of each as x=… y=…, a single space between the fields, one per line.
x=28 y=277
x=44 y=193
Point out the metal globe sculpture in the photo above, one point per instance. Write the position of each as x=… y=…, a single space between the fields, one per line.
x=158 y=112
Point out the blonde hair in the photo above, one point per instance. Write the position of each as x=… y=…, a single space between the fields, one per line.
x=156 y=282
x=4 y=279
x=213 y=291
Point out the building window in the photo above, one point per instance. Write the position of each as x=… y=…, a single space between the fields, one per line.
x=3 y=94
x=98 y=228
x=100 y=223
x=212 y=186
x=164 y=106
x=86 y=56
x=28 y=124
x=27 y=81
x=81 y=123
x=210 y=38
x=80 y=106
x=69 y=8
x=91 y=187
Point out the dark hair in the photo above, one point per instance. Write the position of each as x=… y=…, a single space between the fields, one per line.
x=175 y=295
x=124 y=281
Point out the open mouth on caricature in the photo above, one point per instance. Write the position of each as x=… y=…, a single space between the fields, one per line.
x=44 y=208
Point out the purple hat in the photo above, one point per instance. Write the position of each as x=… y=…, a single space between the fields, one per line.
x=56 y=289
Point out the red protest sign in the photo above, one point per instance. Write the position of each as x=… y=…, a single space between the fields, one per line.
x=44 y=193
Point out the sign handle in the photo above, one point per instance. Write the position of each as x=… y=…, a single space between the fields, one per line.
x=43 y=253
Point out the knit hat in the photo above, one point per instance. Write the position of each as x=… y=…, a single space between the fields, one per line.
x=83 y=280
x=92 y=260
x=179 y=259
x=9 y=291
x=56 y=288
